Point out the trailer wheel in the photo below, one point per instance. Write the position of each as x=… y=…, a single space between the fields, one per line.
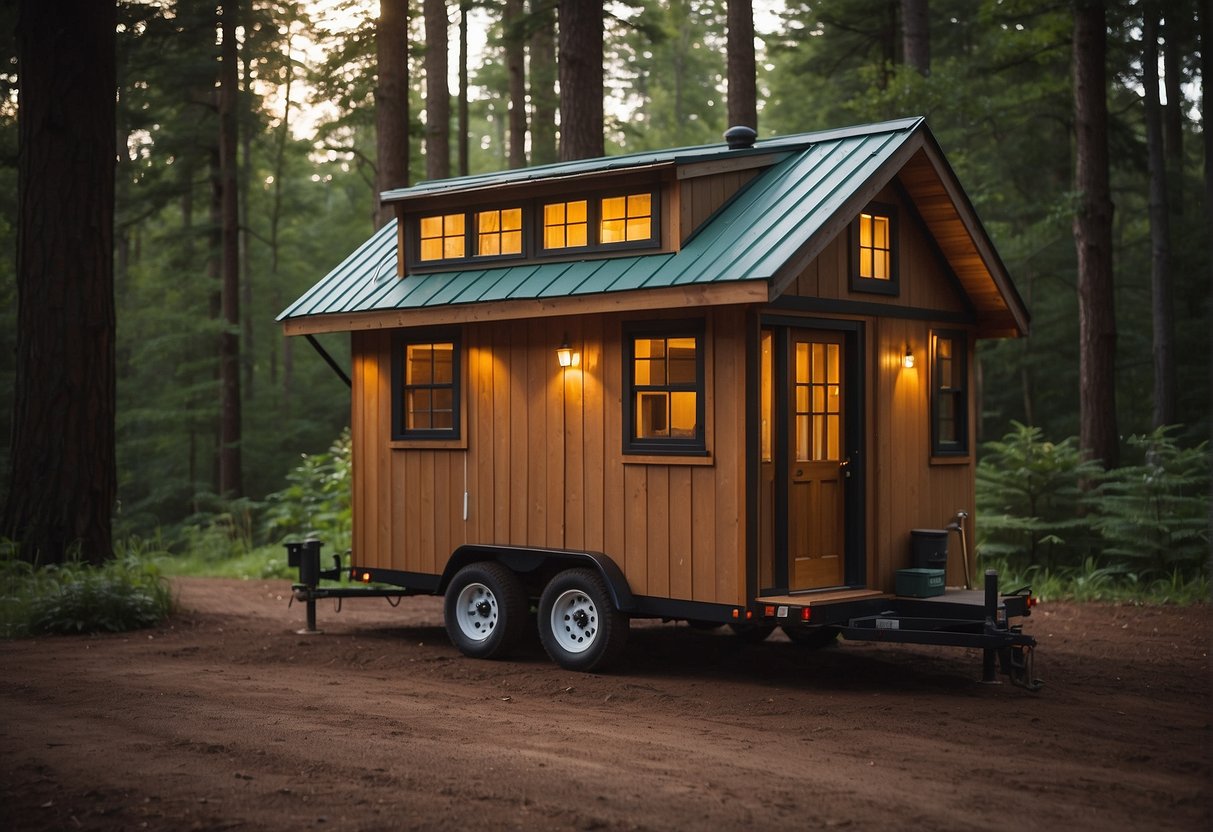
x=812 y=637
x=485 y=610
x=752 y=632
x=578 y=624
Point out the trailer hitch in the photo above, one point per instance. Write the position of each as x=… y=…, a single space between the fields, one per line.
x=1019 y=664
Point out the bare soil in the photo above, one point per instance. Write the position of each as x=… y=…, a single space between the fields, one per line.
x=225 y=718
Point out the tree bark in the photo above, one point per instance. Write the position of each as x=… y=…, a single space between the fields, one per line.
x=1163 y=314
x=515 y=65
x=229 y=339
x=437 y=93
x=244 y=122
x=1098 y=436
x=580 y=66
x=391 y=103
x=62 y=477
x=916 y=35
x=742 y=73
x=462 y=117
x=1174 y=41
x=543 y=83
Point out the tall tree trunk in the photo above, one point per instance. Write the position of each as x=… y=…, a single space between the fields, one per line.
x=1160 y=231
x=280 y=144
x=62 y=480
x=1175 y=39
x=542 y=83
x=742 y=73
x=462 y=117
x=437 y=93
x=229 y=339
x=515 y=64
x=916 y=35
x=581 y=116
x=244 y=124
x=1098 y=436
x=391 y=103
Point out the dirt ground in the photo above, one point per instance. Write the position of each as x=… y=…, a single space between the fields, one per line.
x=225 y=718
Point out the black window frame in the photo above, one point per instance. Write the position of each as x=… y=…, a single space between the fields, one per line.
x=401 y=341
x=960 y=372
x=694 y=446
x=876 y=285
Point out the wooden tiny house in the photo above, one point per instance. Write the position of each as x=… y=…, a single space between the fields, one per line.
x=722 y=378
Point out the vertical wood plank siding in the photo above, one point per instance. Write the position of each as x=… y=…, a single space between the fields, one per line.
x=702 y=195
x=545 y=466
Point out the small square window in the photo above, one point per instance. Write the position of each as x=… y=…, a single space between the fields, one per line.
x=625 y=219
x=499 y=232
x=565 y=225
x=442 y=237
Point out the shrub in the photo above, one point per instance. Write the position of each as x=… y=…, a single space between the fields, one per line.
x=316 y=501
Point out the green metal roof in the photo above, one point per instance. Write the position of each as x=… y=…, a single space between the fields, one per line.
x=749 y=238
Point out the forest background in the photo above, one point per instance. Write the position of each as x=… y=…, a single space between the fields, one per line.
x=993 y=78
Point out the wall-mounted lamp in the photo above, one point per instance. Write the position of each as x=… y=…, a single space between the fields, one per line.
x=566 y=356
x=908 y=360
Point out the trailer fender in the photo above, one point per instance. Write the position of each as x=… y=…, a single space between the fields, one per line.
x=531 y=562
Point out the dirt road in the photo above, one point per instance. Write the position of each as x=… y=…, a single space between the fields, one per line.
x=226 y=719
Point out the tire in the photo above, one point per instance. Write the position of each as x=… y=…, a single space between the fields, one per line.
x=578 y=624
x=485 y=610
x=751 y=632
x=814 y=638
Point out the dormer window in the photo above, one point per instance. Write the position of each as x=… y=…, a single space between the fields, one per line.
x=873 y=251
x=443 y=237
x=626 y=219
x=499 y=232
x=565 y=225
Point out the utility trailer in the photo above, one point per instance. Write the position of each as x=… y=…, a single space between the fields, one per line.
x=721 y=384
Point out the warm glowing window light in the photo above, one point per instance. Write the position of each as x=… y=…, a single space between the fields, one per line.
x=442 y=237
x=625 y=219
x=875 y=247
x=499 y=232
x=565 y=224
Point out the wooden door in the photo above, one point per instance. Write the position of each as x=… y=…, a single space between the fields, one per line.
x=817 y=461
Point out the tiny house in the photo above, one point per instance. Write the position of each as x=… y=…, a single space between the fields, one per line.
x=721 y=384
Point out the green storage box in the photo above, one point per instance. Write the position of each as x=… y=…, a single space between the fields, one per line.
x=920 y=583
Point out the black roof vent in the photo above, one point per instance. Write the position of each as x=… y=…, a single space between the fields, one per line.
x=740 y=137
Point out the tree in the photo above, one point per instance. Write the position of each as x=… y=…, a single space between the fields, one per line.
x=230 y=474
x=437 y=93
x=63 y=479
x=1163 y=313
x=515 y=63
x=542 y=82
x=916 y=35
x=391 y=102
x=463 y=118
x=580 y=68
x=743 y=89
x=1097 y=434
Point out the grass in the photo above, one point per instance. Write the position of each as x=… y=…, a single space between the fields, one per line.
x=1091 y=582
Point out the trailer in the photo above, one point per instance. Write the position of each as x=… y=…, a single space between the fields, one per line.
x=728 y=384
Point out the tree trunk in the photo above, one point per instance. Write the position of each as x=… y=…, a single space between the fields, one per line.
x=280 y=144
x=581 y=118
x=1160 y=231
x=229 y=339
x=916 y=35
x=244 y=123
x=62 y=480
x=1174 y=41
x=462 y=117
x=1098 y=436
x=437 y=93
x=743 y=90
x=391 y=103
x=543 y=83
x=515 y=64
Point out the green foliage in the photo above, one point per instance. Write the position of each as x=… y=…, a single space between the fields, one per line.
x=127 y=593
x=1052 y=519
x=316 y=501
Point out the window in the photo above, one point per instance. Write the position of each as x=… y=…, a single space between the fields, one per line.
x=664 y=377
x=625 y=219
x=949 y=396
x=442 y=237
x=499 y=232
x=874 y=260
x=426 y=404
x=565 y=225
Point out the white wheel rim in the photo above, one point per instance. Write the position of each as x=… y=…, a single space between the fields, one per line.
x=574 y=621
x=476 y=611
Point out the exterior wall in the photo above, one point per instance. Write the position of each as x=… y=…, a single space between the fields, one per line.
x=701 y=196
x=907 y=488
x=541 y=461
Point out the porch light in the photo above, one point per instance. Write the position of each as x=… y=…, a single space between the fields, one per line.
x=908 y=360
x=566 y=356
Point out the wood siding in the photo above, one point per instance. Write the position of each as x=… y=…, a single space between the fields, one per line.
x=544 y=465
x=702 y=196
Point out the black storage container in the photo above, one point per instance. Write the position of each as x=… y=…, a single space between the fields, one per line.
x=929 y=548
